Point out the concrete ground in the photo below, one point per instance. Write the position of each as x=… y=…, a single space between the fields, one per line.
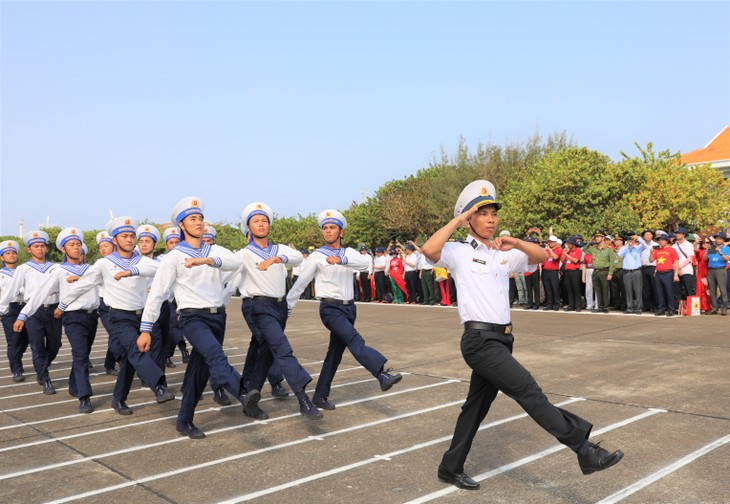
x=658 y=388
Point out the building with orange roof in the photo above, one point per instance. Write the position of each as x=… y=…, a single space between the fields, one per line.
x=716 y=153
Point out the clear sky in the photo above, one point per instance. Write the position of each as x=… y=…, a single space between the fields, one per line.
x=308 y=105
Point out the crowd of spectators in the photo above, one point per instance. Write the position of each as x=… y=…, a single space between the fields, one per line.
x=652 y=272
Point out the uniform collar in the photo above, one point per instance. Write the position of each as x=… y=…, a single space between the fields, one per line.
x=476 y=244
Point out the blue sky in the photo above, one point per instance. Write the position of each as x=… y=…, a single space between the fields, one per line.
x=306 y=105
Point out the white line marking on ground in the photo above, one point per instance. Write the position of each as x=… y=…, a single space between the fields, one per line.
x=644 y=482
x=215 y=431
x=531 y=458
x=376 y=458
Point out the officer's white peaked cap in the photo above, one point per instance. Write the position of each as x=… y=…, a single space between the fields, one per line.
x=172 y=232
x=256 y=208
x=7 y=245
x=102 y=236
x=478 y=193
x=209 y=232
x=149 y=231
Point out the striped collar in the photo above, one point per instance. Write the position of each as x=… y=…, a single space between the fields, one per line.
x=75 y=269
x=330 y=252
x=187 y=249
x=123 y=262
x=40 y=268
x=264 y=253
x=8 y=271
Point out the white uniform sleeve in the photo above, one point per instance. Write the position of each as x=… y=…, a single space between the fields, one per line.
x=306 y=275
x=225 y=259
x=13 y=289
x=356 y=260
x=44 y=289
x=159 y=292
x=146 y=267
x=92 y=278
x=290 y=256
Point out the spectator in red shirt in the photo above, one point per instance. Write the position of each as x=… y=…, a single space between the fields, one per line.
x=551 y=273
x=571 y=257
x=667 y=272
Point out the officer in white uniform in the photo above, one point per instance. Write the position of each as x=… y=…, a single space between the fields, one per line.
x=44 y=331
x=17 y=342
x=264 y=277
x=481 y=267
x=147 y=238
x=80 y=318
x=196 y=273
x=331 y=267
x=123 y=274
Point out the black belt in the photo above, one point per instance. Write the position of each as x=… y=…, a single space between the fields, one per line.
x=628 y=270
x=268 y=298
x=648 y=266
x=337 y=301
x=128 y=312
x=600 y=269
x=219 y=309
x=17 y=305
x=484 y=326
x=87 y=312
x=719 y=268
x=663 y=272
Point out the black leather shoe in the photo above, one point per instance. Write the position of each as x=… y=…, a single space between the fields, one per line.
x=48 y=388
x=388 y=380
x=322 y=402
x=121 y=407
x=460 y=480
x=220 y=397
x=597 y=458
x=189 y=430
x=306 y=408
x=18 y=377
x=112 y=371
x=169 y=363
x=278 y=391
x=185 y=355
x=85 y=405
x=162 y=394
x=251 y=405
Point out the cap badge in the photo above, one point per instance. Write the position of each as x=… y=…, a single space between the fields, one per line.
x=194 y=202
x=483 y=191
x=127 y=222
x=259 y=207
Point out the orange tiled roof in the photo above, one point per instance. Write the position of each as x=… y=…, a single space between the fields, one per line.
x=717 y=150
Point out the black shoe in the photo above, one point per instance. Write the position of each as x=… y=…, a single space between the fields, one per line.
x=220 y=397
x=322 y=402
x=185 y=355
x=112 y=371
x=671 y=313
x=251 y=405
x=18 y=377
x=278 y=391
x=306 y=408
x=169 y=363
x=85 y=405
x=189 y=430
x=121 y=407
x=659 y=314
x=388 y=380
x=48 y=388
x=162 y=394
x=597 y=459
x=91 y=365
x=460 y=480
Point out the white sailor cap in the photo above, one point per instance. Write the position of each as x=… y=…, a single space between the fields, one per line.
x=209 y=232
x=149 y=231
x=331 y=217
x=191 y=205
x=103 y=236
x=505 y=232
x=478 y=193
x=171 y=232
x=256 y=208
x=35 y=236
x=9 y=245
x=84 y=248
x=68 y=234
x=123 y=224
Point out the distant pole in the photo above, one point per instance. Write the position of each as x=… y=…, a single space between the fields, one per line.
x=21 y=223
x=111 y=213
x=363 y=197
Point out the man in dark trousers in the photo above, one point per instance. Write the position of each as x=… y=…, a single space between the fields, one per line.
x=481 y=267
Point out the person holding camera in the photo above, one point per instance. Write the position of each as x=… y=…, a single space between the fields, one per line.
x=631 y=255
x=717 y=258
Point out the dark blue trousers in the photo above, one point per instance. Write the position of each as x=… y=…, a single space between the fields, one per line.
x=44 y=335
x=80 y=327
x=125 y=330
x=156 y=345
x=664 y=283
x=172 y=332
x=269 y=320
x=340 y=320
x=551 y=282
x=205 y=332
x=109 y=360
x=274 y=375
x=17 y=342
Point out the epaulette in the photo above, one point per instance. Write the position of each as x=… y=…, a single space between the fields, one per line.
x=460 y=240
